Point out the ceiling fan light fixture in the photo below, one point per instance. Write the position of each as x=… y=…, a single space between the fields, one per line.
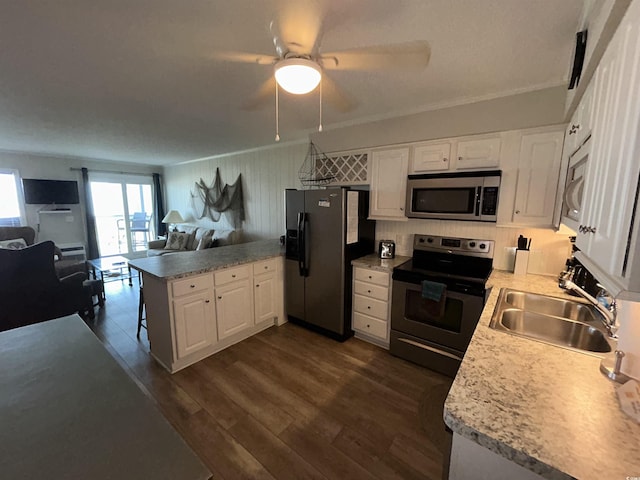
x=297 y=75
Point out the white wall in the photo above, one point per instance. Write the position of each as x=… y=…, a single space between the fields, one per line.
x=265 y=175
x=62 y=228
x=526 y=110
x=549 y=250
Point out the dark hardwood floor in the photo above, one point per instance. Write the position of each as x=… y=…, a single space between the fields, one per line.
x=288 y=403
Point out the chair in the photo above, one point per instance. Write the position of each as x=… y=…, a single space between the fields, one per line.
x=63 y=267
x=31 y=292
x=139 y=222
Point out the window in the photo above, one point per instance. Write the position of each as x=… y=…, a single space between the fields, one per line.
x=11 y=213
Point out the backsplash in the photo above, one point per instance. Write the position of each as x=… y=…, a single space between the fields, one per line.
x=549 y=250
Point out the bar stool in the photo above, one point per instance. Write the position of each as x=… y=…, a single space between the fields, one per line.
x=141 y=319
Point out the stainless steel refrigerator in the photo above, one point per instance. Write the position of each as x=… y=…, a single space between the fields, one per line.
x=325 y=230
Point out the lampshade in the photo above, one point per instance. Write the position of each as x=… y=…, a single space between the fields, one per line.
x=173 y=217
x=297 y=75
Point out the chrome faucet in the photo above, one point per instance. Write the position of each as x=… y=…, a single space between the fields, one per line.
x=609 y=314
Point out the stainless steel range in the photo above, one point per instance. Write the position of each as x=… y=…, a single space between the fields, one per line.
x=437 y=300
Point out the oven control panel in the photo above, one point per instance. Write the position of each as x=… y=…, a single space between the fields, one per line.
x=460 y=246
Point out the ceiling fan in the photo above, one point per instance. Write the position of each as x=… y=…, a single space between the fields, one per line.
x=300 y=66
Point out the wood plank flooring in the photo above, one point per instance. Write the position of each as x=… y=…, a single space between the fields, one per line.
x=287 y=403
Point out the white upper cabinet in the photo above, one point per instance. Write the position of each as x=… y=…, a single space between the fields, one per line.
x=537 y=178
x=430 y=157
x=463 y=153
x=581 y=123
x=607 y=234
x=388 y=175
x=477 y=153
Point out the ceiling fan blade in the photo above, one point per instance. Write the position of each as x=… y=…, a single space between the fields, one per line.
x=335 y=96
x=298 y=27
x=399 y=55
x=263 y=96
x=244 y=57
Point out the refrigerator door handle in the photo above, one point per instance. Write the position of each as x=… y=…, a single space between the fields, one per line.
x=301 y=244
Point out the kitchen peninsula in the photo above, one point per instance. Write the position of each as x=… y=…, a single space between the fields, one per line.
x=198 y=303
x=525 y=409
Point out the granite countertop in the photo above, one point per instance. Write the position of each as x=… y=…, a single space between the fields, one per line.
x=373 y=262
x=181 y=264
x=546 y=408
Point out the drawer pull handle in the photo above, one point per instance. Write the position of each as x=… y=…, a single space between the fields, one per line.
x=219 y=298
x=233 y=275
x=368 y=307
x=265 y=267
x=206 y=301
x=257 y=286
x=368 y=326
x=368 y=291
x=192 y=286
x=370 y=277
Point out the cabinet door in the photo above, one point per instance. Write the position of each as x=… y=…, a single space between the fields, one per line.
x=389 y=170
x=195 y=323
x=480 y=153
x=581 y=122
x=429 y=158
x=234 y=308
x=612 y=173
x=265 y=297
x=538 y=171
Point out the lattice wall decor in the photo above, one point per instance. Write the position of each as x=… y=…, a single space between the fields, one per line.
x=347 y=169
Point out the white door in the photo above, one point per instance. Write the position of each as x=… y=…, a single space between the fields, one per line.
x=234 y=307
x=537 y=185
x=431 y=157
x=481 y=153
x=264 y=297
x=389 y=184
x=195 y=322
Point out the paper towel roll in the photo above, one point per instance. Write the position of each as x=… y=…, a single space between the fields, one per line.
x=629 y=337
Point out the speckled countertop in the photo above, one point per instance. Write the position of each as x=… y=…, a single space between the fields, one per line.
x=543 y=407
x=381 y=264
x=181 y=264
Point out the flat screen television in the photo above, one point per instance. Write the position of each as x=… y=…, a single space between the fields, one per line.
x=60 y=192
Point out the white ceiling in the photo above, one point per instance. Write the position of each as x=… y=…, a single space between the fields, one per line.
x=135 y=80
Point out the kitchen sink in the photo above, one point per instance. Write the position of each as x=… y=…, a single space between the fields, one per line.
x=561 y=322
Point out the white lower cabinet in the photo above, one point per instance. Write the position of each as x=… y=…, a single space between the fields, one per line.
x=371 y=305
x=195 y=316
x=234 y=308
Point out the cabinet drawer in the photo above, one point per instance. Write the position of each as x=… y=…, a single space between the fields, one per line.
x=370 y=325
x=371 y=290
x=372 y=276
x=191 y=284
x=370 y=306
x=265 y=266
x=232 y=274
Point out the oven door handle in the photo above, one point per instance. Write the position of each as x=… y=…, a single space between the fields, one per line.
x=431 y=349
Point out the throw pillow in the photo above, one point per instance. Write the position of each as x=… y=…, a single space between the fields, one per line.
x=14 y=244
x=177 y=241
x=205 y=241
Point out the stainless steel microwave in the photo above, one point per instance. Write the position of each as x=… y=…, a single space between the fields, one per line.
x=454 y=196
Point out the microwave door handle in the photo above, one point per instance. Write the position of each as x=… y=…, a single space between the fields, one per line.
x=478 y=200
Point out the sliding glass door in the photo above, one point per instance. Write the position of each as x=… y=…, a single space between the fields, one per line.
x=123 y=206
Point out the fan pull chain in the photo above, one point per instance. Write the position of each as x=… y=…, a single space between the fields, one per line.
x=277 y=119
x=320 y=122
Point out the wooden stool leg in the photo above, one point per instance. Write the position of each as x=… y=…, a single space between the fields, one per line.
x=140 y=310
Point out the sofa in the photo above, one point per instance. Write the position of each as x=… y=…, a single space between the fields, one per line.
x=190 y=238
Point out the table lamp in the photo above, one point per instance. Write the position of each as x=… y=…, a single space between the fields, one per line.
x=173 y=217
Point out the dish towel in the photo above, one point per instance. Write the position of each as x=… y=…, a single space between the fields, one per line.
x=432 y=290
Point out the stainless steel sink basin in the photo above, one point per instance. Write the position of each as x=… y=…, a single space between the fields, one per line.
x=557 y=321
